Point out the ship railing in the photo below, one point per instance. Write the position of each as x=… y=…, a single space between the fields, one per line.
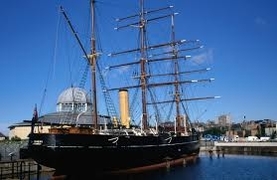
x=130 y=132
x=153 y=131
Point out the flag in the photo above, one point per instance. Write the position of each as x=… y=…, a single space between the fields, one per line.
x=35 y=115
x=33 y=122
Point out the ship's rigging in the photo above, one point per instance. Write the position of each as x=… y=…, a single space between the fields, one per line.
x=93 y=64
x=171 y=52
x=151 y=54
x=127 y=148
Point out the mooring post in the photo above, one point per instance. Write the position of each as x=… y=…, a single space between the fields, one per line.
x=223 y=152
x=211 y=152
x=218 y=152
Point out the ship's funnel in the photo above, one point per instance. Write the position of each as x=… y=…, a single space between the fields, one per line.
x=124 y=108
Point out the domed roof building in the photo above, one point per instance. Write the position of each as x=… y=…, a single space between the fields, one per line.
x=74 y=99
x=74 y=106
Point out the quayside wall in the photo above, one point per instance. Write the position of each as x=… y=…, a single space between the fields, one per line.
x=249 y=148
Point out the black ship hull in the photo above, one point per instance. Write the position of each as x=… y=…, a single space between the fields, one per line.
x=71 y=153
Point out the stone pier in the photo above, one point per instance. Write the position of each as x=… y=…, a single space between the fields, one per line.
x=250 y=148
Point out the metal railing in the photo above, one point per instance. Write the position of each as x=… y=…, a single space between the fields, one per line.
x=19 y=169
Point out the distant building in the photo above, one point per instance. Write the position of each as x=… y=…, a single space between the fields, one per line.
x=260 y=128
x=22 y=130
x=224 y=120
x=269 y=131
x=73 y=107
x=200 y=128
x=2 y=137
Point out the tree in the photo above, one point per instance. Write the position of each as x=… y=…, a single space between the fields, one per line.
x=217 y=131
x=15 y=138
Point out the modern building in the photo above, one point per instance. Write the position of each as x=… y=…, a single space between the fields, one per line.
x=224 y=120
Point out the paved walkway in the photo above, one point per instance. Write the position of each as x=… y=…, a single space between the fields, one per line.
x=246 y=144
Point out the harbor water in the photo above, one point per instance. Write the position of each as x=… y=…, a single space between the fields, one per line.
x=207 y=167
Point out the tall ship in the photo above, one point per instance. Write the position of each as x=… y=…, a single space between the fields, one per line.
x=153 y=128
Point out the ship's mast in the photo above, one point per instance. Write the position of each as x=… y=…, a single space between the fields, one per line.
x=143 y=60
x=92 y=62
x=174 y=55
x=91 y=58
x=176 y=74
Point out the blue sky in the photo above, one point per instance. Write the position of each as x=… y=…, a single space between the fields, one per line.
x=239 y=36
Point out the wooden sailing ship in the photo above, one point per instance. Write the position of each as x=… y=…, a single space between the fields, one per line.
x=116 y=144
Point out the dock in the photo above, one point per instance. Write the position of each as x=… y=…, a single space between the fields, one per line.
x=249 y=148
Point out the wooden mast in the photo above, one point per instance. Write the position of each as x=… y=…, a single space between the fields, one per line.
x=92 y=62
x=91 y=58
x=176 y=54
x=176 y=74
x=143 y=60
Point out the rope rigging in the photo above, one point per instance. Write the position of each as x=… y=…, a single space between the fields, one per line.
x=109 y=103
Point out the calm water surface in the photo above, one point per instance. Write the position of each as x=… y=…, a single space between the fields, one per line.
x=233 y=167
